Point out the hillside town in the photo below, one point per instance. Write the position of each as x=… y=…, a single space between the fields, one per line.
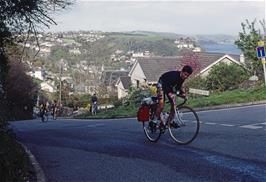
x=83 y=76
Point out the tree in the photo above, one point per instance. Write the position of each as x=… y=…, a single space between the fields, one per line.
x=17 y=17
x=21 y=92
x=191 y=59
x=247 y=43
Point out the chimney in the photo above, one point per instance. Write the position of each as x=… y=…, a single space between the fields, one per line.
x=242 y=58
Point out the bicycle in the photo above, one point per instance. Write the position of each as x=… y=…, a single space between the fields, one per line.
x=183 y=128
x=44 y=116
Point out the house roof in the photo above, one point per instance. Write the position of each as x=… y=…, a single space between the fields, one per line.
x=126 y=81
x=154 y=67
x=206 y=58
x=110 y=77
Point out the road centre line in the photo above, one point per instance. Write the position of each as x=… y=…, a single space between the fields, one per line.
x=230 y=125
x=94 y=125
x=251 y=127
x=209 y=123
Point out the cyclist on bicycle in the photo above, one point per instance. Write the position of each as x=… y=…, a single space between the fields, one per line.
x=54 y=109
x=169 y=83
x=43 y=109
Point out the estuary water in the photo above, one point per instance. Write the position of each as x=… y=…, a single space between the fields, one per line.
x=221 y=48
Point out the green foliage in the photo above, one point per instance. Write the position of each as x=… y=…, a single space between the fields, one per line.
x=21 y=92
x=18 y=17
x=77 y=100
x=230 y=97
x=14 y=165
x=196 y=82
x=225 y=76
x=140 y=43
x=59 y=53
x=135 y=97
x=220 y=98
x=247 y=43
x=3 y=75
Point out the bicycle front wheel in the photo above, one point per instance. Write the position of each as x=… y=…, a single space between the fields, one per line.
x=185 y=127
x=152 y=131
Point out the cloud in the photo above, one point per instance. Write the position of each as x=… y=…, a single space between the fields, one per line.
x=187 y=17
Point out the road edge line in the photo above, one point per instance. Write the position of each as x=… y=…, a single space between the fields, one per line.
x=37 y=168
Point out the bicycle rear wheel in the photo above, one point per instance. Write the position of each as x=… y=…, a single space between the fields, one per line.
x=152 y=131
x=187 y=125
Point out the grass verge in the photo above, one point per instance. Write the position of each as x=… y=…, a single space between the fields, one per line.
x=230 y=97
x=227 y=97
x=14 y=163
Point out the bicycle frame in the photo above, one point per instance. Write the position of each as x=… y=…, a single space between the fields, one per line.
x=176 y=115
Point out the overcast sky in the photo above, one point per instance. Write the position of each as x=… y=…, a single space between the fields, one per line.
x=182 y=17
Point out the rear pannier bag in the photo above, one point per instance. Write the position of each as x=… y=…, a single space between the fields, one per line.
x=143 y=114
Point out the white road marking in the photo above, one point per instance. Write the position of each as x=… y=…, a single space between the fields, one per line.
x=251 y=126
x=210 y=123
x=231 y=108
x=230 y=125
x=94 y=125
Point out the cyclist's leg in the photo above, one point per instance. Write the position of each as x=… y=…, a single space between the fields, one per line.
x=172 y=110
x=160 y=107
x=41 y=113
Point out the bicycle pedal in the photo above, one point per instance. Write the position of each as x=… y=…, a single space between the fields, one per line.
x=174 y=125
x=162 y=128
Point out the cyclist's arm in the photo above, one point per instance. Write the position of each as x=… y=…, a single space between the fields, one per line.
x=180 y=91
x=170 y=94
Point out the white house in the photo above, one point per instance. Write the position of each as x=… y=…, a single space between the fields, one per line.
x=39 y=73
x=123 y=84
x=47 y=87
x=146 y=71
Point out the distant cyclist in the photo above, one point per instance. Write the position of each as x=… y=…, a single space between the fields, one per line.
x=54 y=109
x=94 y=104
x=43 y=110
x=169 y=83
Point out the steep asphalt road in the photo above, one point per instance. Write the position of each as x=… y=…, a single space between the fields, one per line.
x=231 y=146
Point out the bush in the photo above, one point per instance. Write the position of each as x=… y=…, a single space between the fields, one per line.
x=226 y=77
x=196 y=82
x=136 y=96
x=14 y=164
x=21 y=92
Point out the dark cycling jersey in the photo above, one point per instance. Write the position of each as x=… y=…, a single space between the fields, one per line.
x=171 y=81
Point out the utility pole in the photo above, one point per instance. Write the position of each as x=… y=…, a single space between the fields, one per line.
x=60 y=82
